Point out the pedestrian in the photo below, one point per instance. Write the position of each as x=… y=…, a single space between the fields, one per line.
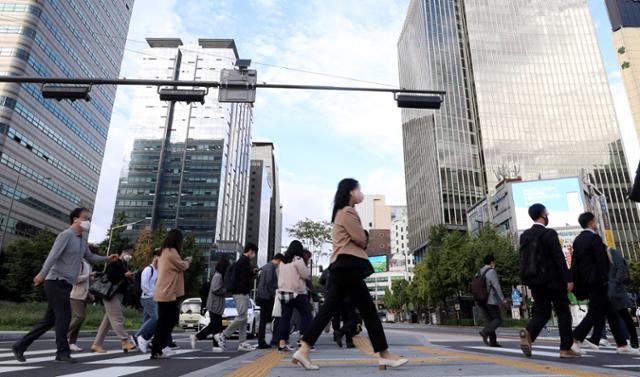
x=59 y=272
x=292 y=290
x=619 y=297
x=119 y=275
x=550 y=285
x=239 y=284
x=495 y=299
x=169 y=286
x=148 y=279
x=215 y=306
x=267 y=286
x=78 y=300
x=349 y=267
x=590 y=267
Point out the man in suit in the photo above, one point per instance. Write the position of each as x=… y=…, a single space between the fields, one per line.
x=554 y=290
x=590 y=268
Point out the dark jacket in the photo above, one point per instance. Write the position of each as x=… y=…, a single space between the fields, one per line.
x=590 y=263
x=115 y=273
x=243 y=276
x=618 y=295
x=268 y=282
x=557 y=272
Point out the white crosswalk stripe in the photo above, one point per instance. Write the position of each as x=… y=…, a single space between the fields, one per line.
x=132 y=359
x=110 y=372
x=517 y=351
x=29 y=353
x=15 y=369
x=52 y=356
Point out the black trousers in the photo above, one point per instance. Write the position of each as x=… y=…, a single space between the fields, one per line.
x=266 y=308
x=599 y=308
x=58 y=314
x=214 y=327
x=631 y=327
x=168 y=313
x=544 y=298
x=345 y=282
x=349 y=319
x=494 y=320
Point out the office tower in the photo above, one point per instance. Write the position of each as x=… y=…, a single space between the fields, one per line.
x=527 y=96
x=625 y=23
x=188 y=163
x=265 y=152
x=259 y=211
x=51 y=152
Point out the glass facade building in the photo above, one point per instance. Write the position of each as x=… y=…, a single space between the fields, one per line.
x=51 y=152
x=187 y=165
x=528 y=79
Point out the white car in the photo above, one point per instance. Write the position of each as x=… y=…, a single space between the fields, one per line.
x=230 y=312
x=190 y=313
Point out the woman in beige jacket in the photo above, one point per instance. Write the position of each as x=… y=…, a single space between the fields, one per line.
x=169 y=286
x=349 y=267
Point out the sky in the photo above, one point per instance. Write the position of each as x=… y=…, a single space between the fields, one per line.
x=320 y=137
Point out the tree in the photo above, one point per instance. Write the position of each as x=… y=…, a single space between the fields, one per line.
x=313 y=234
x=193 y=276
x=397 y=296
x=23 y=259
x=634 y=276
x=118 y=242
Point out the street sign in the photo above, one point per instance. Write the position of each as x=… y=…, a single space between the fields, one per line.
x=457 y=307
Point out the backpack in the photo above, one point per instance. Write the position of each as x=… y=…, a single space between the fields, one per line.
x=230 y=278
x=137 y=282
x=479 y=290
x=532 y=262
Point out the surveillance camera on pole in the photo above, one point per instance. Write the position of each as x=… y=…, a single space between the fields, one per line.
x=60 y=92
x=238 y=85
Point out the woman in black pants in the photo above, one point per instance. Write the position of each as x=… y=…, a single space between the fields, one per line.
x=215 y=306
x=618 y=294
x=349 y=267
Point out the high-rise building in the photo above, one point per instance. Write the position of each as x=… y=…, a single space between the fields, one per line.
x=264 y=151
x=259 y=211
x=51 y=152
x=527 y=96
x=625 y=23
x=188 y=163
x=374 y=212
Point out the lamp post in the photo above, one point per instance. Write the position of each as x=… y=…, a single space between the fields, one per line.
x=118 y=227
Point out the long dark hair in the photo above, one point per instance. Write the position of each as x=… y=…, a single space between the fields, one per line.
x=343 y=195
x=173 y=240
x=295 y=249
x=222 y=265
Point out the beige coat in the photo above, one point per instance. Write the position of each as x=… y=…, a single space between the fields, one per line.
x=170 y=283
x=348 y=235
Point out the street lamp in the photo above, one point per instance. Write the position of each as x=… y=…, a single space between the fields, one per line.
x=118 y=227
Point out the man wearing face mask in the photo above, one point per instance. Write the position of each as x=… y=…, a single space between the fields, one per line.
x=59 y=272
x=119 y=275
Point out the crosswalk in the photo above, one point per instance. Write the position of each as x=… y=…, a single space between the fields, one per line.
x=110 y=364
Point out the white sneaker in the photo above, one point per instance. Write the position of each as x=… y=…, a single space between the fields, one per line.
x=589 y=344
x=626 y=350
x=604 y=343
x=221 y=340
x=245 y=347
x=193 y=340
x=143 y=344
x=575 y=347
x=217 y=350
x=74 y=348
x=168 y=351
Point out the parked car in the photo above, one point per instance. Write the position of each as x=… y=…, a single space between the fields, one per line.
x=190 y=313
x=230 y=312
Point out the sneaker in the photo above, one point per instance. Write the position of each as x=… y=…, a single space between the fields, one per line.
x=168 y=351
x=143 y=344
x=245 y=347
x=65 y=360
x=286 y=348
x=626 y=350
x=217 y=350
x=495 y=345
x=569 y=354
x=575 y=347
x=485 y=338
x=604 y=343
x=19 y=355
x=174 y=346
x=74 y=348
x=589 y=344
x=158 y=356
x=221 y=340
x=525 y=342
x=193 y=340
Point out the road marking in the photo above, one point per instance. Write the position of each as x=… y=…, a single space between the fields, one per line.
x=623 y=366
x=260 y=367
x=132 y=359
x=50 y=358
x=583 y=349
x=200 y=357
x=513 y=362
x=509 y=350
x=110 y=372
x=15 y=369
x=29 y=353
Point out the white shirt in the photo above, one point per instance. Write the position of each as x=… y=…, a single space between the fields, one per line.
x=148 y=281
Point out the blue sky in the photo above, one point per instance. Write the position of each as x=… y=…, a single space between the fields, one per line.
x=320 y=138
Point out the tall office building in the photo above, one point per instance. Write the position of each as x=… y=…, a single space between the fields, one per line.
x=51 y=152
x=625 y=23
x=188 y=163
x=527 y=95
x=265 y=151
x=259 y=211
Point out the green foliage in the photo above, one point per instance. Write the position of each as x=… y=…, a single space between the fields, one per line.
x=194 y=274
x=22 y=260
x=634 y=276
x=398 y=297
x=313 y=234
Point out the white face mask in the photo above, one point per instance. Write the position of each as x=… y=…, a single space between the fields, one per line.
x=127 y=258
x=85 y=225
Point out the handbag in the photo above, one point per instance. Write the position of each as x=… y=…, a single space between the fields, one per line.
x=277 y=307
x=103 y=288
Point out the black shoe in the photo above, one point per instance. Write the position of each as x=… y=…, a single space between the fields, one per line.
x=19 y=355
x=65 y=360
x=485 y=339
x=158 y=356
x=496 y=345
x=264 y=346
x=338 y=337
x=350 y=344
